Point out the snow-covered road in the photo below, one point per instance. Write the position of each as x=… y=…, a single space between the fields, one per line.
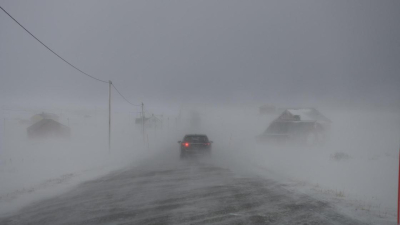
x=169 y=191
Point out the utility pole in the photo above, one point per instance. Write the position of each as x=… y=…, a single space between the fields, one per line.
x=109 y=115
x=143 y=122
x=4 y=135
x=398 y=193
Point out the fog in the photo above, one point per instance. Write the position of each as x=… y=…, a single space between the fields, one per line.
x=366 y=174
x=226 y=52
x=219 y=61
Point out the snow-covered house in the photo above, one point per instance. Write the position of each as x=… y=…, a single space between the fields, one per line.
x=300 y=125
x=43 y=115
x=305 y=115
x=48 y=128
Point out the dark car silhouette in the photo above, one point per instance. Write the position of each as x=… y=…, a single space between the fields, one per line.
x=195 y=144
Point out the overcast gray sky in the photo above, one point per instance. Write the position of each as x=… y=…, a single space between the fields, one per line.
x=217 y=52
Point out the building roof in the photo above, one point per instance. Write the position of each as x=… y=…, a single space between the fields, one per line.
x=47 y=115
x=152 y=118
x=308 y=114
x=46 y=122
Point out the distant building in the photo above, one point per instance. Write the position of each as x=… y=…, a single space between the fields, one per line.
x=300 y=126
x=48 y=128
x=149 y=122
x=43 y=115
x=305 y=115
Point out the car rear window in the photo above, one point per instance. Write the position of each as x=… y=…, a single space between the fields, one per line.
x=196 y=139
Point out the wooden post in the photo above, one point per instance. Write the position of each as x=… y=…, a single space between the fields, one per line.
x=398 y=194
x=109 y=115
x=4 y=135
x=148 y=144
x=144 y=138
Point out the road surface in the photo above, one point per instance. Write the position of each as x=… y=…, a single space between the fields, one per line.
x=193 y=191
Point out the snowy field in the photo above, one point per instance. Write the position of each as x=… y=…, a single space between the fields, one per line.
x=32 y=169
x=356 y=170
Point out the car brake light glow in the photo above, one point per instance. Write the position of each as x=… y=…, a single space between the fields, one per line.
x=186 y=144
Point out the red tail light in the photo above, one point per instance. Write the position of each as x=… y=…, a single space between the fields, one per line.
x=186 y=144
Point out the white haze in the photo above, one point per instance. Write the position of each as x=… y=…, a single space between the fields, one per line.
x=369 y=138
x=222 y=59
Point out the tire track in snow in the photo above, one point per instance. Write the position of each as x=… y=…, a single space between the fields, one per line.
x=189 y=192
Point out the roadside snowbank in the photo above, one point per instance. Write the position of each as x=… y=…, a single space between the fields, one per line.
x=34 y=169
x=357 y=170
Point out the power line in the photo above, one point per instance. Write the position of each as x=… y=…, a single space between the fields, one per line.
x=66 y=60
x=52 y=50
x=124 y=97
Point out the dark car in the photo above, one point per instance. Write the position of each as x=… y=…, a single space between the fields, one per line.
x=195 y=144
